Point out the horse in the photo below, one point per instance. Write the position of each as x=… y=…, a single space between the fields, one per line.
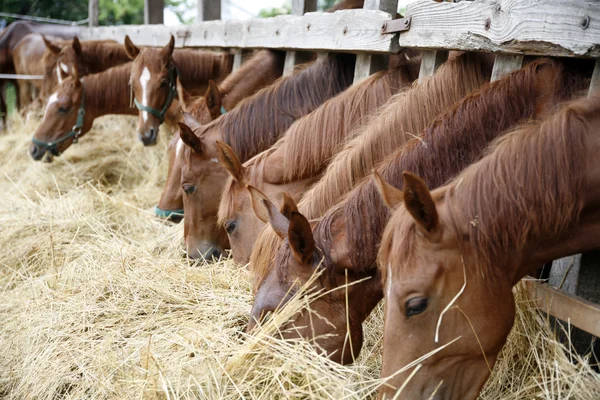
x=402 y=118
x=297 y=160
x=253 y=126
x=450 y=258
x=153 y=80
x=344 y=241
x=72 y=108
x=260 y=70
x=89 y=57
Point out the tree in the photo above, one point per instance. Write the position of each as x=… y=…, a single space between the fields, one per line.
x=275 y=11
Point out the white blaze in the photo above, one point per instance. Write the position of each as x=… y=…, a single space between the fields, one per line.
x=178 y=148
x=144 y=78
x=51 y=100
x=58 y=74
x=64 y=67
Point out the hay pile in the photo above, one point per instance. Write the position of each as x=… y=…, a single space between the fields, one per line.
x=96 y=300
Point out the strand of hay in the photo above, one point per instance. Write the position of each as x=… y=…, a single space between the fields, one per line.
x=96 y=300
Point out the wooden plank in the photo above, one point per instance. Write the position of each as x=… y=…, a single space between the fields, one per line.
x=504 y=64
x=93 y=12
x=367 y=64
x=431 y=61
x=537 y=27
x=579 y=312
x=153 y=12
x=293 y=58
x=237 y=59
x=345 y=30
x=208 y=10
x=595 y=83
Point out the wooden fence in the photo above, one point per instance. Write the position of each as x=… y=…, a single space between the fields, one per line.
x=509 y=28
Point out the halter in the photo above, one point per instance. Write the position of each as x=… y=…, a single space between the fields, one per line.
x=223 y=110
x=173 y=73
x=167 y=213
x=75 y=132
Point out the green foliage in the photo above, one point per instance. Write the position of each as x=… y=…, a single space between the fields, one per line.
x=275 y=11
x=121 y=12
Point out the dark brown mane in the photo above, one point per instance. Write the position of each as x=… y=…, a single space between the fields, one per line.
x=108 y=91
x=257 y=122
x=200 y=66
x=406 y=114
x=450 y=143
x=529 y=184
x=96 y=56
x=255 y=64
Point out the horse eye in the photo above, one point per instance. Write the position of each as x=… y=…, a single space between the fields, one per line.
x=163 y=83
x=230 y=226
x=63 y=110
x=415 y=306
x=189 y=189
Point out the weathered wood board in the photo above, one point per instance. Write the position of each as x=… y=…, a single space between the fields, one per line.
x=346 y=30
x=548 y=27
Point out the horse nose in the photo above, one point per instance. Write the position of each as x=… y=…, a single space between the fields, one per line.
x=204 y=251
x=149 y=137
x=36 y=152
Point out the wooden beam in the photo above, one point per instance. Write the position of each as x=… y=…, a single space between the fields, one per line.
x=237 y=59
x=431 y=61
x=595 y=83
x=346 y=30
x=208 y=10
x=153 y=12
x=504 y=64
x=367 y=64
x=293 y=58
x=93 y=12
x=579 y=312
x=537 y=27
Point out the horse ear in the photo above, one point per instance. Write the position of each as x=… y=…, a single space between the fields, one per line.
x=183 y=95
x=213 y=99
x=76 y=44
x=279 y=222
x=257 y=199
x=190 y=121
x=391 y=196
x=419 y=203
x=167 y=51
x=230 y=161
x=131 y=49
x=54 y=49
x=189 y=138
x=301 y=238
x=289 y=205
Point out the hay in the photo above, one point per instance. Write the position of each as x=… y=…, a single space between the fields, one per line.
x=96 y=300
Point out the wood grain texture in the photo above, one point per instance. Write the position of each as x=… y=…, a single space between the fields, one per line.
x=504 y=64
x=93 y=12
x=542 y=27
x=293 y=58
x=345 y=30
x=208 y=10
x=431 y=61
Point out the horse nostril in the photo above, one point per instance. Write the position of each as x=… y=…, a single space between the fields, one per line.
x=36 y=152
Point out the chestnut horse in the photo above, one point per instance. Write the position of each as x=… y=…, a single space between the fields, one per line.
x=88 y=57
x=348 y=235
x=296 y=161
x=26 y=56
x=253 y=126
x=153 y=80
x=72 y=108
x=450 y=258
x=259 y=71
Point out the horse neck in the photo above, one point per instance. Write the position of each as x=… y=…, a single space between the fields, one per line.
x=98 y=57
x=197 y=67
x=259 y=71
x=519 y=210
x=107 y=93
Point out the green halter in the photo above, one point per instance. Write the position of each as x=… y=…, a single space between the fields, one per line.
x=167 y=213
x=223 y=110
x=75 y=132
x=173 y=73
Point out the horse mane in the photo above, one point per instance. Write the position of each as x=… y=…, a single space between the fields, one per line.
x=541 y=201
x=259 y=120
x=106 y=90
x=450 y=143
x=312 y=140
x=258 y=63
x=97 y=55
x=406 y=114
x=194 y=65
x=346 y=5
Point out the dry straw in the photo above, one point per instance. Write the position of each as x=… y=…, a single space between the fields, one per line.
x=97 y=302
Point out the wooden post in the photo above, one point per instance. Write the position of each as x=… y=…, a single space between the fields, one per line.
x=93 y=12
x=237 y=59
x=505 y=64
x=208 y=10
x=595 y=83
x=431 y=61
x=153 y=11
x=293 y=58
x=367 y=64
